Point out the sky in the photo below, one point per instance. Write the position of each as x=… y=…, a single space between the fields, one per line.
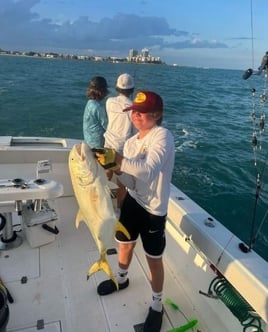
x=229 y=34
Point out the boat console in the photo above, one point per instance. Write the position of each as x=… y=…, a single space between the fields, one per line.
x=28 y=198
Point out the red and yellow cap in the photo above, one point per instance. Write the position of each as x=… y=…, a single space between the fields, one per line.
x=146 y=102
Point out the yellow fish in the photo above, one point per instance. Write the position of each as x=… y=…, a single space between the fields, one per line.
x=93 y=195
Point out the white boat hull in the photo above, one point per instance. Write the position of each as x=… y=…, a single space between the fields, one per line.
x=57 y=295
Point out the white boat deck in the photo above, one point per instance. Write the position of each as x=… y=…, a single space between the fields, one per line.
x=49 y=283
x=57 y=297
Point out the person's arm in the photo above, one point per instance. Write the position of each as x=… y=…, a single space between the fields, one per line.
x=103 y=119
x=146 y=169
x=86 y=122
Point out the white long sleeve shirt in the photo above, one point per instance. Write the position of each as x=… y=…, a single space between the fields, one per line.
x=119 y=127
x=147 y=169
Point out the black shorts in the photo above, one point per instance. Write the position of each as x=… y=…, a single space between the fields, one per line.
x=138 y=221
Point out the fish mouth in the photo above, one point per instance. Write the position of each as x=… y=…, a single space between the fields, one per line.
x=78 y=148
x=85 y=169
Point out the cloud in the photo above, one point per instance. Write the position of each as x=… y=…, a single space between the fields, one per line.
x=197 y=43
x=241 y=38
x=24 y=29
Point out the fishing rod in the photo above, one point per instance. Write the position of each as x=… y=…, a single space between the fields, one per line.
x=259 y=177
x=253 y=237
x=259 y=184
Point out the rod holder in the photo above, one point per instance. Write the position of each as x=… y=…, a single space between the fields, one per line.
x=18 y=206
x=37 y=205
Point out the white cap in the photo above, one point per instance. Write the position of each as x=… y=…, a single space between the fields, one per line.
x=125 y=82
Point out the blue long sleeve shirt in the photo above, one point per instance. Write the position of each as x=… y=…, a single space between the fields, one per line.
x=94 y=123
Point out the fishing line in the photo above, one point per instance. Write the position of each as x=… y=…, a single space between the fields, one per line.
x=252 y=33
x=223 y=250
x=250 y=71
x=260 y=227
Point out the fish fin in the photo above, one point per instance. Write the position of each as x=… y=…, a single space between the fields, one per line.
x=102 y=265
x=119 y=227
x=78 y=148
x=79 y=218
x=83 y=155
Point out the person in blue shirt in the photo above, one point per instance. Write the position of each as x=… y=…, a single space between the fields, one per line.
x=95 y=116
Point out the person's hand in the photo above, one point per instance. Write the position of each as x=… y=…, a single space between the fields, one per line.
x=106 y=157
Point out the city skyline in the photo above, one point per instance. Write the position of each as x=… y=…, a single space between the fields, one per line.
x=133 y=56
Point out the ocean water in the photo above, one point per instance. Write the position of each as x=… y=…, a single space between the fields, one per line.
x=207 y=110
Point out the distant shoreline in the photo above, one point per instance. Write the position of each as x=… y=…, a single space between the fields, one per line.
x=53 y=55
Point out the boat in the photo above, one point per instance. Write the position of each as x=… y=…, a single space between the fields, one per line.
x=211 y=285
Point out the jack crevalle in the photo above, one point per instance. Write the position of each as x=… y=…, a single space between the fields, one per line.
x=92 y=192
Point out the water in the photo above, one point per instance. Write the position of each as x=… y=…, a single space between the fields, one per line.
x=207 y=110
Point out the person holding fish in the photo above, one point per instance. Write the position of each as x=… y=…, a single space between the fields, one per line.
x=95 y=117
x=145 y=168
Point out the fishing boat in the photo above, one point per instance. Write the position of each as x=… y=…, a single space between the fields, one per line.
x=211 y=282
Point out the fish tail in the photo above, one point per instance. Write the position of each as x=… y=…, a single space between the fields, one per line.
x=102 y=265
x=119 y=227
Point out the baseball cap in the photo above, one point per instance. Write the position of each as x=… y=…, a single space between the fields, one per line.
x=146 y=102
x=125 y=82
